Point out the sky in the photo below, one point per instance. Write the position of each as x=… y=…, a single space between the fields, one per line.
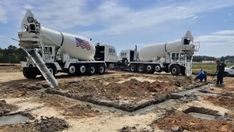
x=126 y=23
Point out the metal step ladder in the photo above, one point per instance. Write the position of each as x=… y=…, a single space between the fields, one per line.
x=36 y=58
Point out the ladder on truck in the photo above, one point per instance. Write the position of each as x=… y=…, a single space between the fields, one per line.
x=38 y=61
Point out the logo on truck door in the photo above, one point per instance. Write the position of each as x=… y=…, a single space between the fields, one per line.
x=82 y=44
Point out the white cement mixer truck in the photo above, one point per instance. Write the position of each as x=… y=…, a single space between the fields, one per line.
x=175 y=57
x=50 y=52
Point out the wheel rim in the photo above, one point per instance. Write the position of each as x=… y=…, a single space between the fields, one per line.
x=72 y=69
x=82 y=69
x=140 y=69
x=92 y=70
x=157 y=68
x=132 y=68
x=174 y=70
x=51 y=70
x=149 y=68
x=101 y=69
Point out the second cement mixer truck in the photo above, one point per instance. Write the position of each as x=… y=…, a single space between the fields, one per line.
x=175 y=57
x=50 y=51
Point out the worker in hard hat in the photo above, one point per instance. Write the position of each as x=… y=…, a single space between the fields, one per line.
x=201 y=75
x=220 y=72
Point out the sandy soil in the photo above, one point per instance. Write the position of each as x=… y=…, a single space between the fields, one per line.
x=180 y=121
x=125 y=89
x=30 y=96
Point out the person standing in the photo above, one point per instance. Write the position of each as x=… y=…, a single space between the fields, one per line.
x=220 y=72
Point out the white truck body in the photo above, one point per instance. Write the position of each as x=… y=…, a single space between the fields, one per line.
x=174 y=57
x=58 y=51
x=76 y=46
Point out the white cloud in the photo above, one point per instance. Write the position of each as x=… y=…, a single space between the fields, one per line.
x=225 y=32
x=217 y=44
x=112 y=16
x=220 y=37
x=126 y=19
x=115 y=18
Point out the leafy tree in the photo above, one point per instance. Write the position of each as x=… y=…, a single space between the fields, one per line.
x=12 y=54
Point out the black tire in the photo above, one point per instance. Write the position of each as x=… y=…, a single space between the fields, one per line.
x=82 y=69
x=125 y=61
x=101 y=69
x=158 y=68
x=29 y=73
x=133 y=67
x=72 y=70
x=141 y=68
x=175 y=70
x=91 y=69
x=52 y=69
x=149 y=69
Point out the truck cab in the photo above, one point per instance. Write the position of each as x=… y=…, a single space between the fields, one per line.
x=106 y=53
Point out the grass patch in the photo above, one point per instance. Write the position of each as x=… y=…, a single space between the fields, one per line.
x=209 y=68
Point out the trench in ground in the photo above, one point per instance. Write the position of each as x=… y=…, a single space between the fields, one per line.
x=203 y=113
x=131 y=107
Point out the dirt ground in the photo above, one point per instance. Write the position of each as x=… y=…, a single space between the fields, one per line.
x=180 y=121
x=124 y=91
x=65 y=113
x=5 y=67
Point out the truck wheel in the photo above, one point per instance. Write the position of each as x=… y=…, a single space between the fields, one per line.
x=72 y=70
x=149 y=69
x=29 y=73
x=175 y=70
x=101 y=69
x=158 y=68
x=91 y=70
x=125 y=61
x=133 y=67
x=52 y=70
x=141 y=68
x=82 y=69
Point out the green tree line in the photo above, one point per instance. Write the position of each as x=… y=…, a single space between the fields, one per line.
x=210 y=58
x=12 y=54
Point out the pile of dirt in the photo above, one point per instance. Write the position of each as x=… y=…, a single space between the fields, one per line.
x=129 y=89
x=137 y=128
x=129 y=95
x=225 y=100
x=179 y=121
x=22 y=88
x=50 y=124
x=45 y=124
x=6 y=108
